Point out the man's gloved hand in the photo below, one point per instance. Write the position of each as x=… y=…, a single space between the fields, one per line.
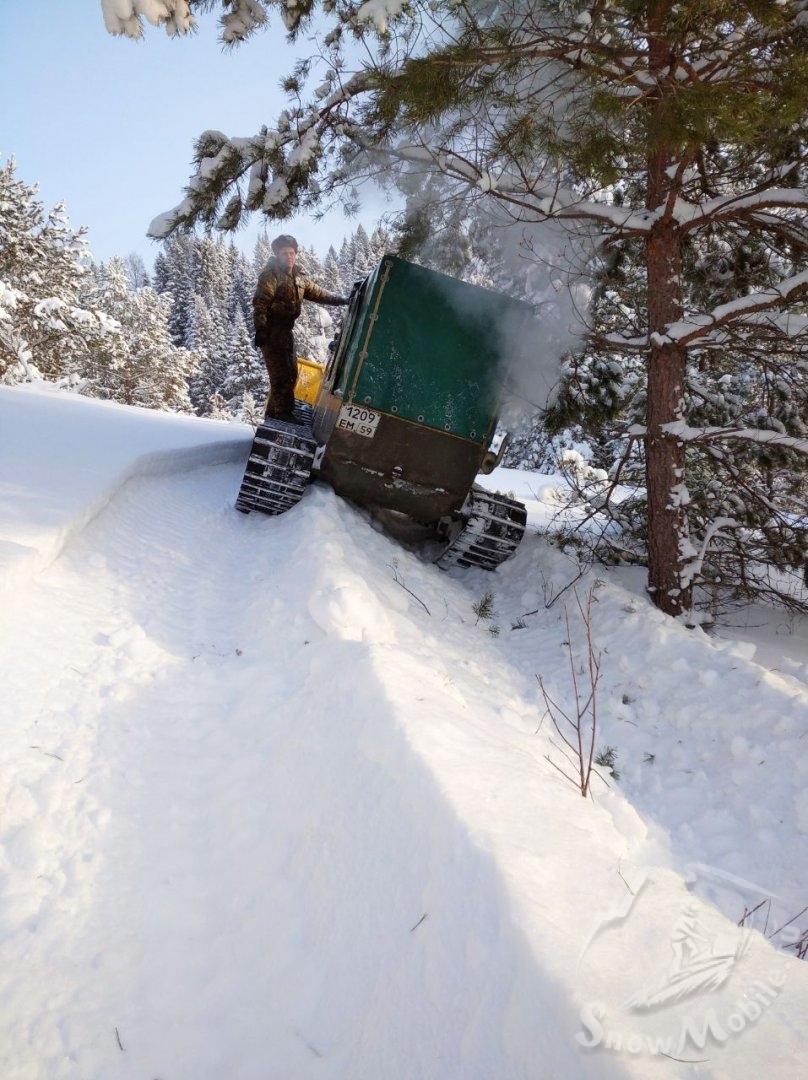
x=260 y=337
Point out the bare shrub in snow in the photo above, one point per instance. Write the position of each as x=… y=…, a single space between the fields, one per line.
x=577 y=725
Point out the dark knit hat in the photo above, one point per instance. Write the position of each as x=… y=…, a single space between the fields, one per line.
x=283 y=241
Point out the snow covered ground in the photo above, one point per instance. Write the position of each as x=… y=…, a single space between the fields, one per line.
x=275 y=803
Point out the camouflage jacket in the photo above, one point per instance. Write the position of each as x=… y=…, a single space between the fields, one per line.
x=280 y=294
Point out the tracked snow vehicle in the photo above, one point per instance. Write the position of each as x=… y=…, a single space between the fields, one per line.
x=406 y=413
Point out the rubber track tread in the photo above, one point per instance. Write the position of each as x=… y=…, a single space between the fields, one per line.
x=278 y=467
x=493 y=529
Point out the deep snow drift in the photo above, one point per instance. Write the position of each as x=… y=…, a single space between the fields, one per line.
x=264 y=813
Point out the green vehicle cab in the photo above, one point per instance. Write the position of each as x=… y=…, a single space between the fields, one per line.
x=406 y=414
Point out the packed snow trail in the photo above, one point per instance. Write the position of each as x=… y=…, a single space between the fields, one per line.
x=266 y=814
x=230 y=839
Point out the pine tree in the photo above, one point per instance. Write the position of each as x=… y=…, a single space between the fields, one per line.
x=246 y=373
x=381 y=243
x=45 y=328
x=262 y=253
x=331 y=277
x=748 y=502
x=242 y=279
x=141 y=365
x=210 y=285
x=697 y=108
x=213 y=280
x=207 y=336
x=363 y=257
x=175 y=273
x=346 y=260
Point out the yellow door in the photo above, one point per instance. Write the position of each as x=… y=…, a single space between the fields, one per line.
x=309 y=378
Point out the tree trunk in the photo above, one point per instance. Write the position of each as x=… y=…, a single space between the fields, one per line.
x=664 y=454
x=664 y=470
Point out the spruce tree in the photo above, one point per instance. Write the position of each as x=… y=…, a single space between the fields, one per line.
x=140 y=365
x=262 y=253
x=46 y=329
x=331 y=277
x=381 y=243
x=176 y=273
x=246 y=373
x=346 y=260
x=206 y=336
x=363 y=256
x=243 y=280
x=213 y=279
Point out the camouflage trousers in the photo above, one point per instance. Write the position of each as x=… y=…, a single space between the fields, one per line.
x=280 y=358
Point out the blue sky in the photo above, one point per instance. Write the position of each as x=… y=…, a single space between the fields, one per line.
x=107 y=124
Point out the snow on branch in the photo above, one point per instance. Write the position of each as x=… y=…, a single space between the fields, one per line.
x=740 y=207
x=380 y=13
x=624 y=342
x=247 y=16
x=164 y=224
x=280 y=171
x=693 y=560
x=16 y=346
x=698 y=327
x=546 y=198
x=125 y=17
x=684 y=433
x=268 y=171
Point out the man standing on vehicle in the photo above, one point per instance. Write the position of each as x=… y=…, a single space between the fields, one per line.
x=276 y=305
